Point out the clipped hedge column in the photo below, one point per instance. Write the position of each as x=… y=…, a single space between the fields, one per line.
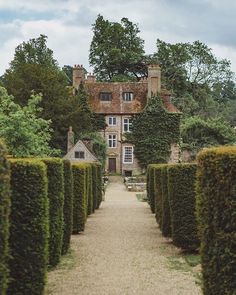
x=182 y=199
x=99 y=185
x=216 y=211
x=29 y=227
x=68 y=206
x=89 y=189
x=80 y=197
x=151 y=186
x=158 y=193
x=55 y=176
x=94 y=184
x=4 y=217
x=166 y=217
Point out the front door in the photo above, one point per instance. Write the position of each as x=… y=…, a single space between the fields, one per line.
x=112 y=165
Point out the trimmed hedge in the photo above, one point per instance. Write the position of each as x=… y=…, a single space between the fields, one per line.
x=99 y=185
x=166 y=217
x=55 y=176
x=89 y=189
x=151 y=187
x=158 y=193
x=29 y=227
x=80 y=197
x=4 y=217
x=94 y=184
x=68 y=206
x=216 y=212
x=182 y=199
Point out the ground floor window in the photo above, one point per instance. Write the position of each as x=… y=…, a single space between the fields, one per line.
x=128 y=155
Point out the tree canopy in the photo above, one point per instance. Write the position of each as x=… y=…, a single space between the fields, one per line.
x=116 y=50
x=25 y=133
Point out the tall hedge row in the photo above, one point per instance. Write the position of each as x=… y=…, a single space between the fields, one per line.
x=182 y=199
x=89 y=189
x=55 y=176
x=80 y=197
x=4 y=217
x=29 y=227
x=151 y=187
x=216 y=212
x=99 y=185
x=68 y=205
x=166 y=227
x=157 y=176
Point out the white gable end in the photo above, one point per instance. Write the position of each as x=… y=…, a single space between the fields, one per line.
x=80 y=149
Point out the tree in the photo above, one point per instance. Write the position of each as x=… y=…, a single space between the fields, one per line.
x=25 y=133
x=153 y=131
x=116 y=49
x=68 y=70
x=34 y=70
x=197 y=133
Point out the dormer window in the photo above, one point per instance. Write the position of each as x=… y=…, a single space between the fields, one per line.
x=105 y=96
x=128 y=96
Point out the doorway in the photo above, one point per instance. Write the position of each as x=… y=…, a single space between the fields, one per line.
x=112 y=165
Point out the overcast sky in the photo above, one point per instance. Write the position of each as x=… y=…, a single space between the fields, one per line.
x=67 y=23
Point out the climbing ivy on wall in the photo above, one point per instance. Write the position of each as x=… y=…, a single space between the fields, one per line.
x=153 y=130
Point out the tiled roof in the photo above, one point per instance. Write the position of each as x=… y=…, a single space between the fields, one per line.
x=117 y=105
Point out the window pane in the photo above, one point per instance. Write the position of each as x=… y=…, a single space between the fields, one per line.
x=127 y=96
x=112 y=140
x=105 y=96
x=128 y=154
x=79 y=155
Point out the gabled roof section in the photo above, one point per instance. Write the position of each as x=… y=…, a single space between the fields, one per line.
x=81 y=146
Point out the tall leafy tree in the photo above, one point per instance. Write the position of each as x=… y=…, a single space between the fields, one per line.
x=24 y=131
x=34 y=70
x=116 y=50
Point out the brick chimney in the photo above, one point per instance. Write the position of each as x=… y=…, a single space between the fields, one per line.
x=78 y=75
x=70 y=139
x=154 y=80
x=91 y=78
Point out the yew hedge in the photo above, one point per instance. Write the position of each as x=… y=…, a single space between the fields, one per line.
x=29 y=229
x=216 y=212
x=4 y=217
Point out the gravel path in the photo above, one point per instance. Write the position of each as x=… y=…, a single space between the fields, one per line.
x=121 y=252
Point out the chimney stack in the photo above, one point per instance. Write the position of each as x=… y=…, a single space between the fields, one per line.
x=78 y=75
x=70 y=139
x=91 y=78
x=154 y=80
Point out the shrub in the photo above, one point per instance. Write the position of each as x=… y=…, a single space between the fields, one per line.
x=55 y=176
x=4 y=217
x=29 y=227
x=181 y=188
x=68 y=206
x=80 y=197
x=166 y=218
x=89 y=189
x=216 y=213
x=99 y=185
x=96 y=183
x=158 y=193
x=150 y=187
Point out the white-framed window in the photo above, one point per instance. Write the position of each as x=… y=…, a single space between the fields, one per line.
x=112 y=141
x=79 y=155
x=128 y=96
x=112 y=121
x=126 y=124
x=128 y=156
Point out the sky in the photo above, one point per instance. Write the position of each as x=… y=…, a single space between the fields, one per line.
x=68 y=25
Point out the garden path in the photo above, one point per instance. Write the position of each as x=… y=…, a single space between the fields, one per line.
x=121 y=252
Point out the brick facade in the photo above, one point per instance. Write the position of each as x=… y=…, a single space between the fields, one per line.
x=118 y=101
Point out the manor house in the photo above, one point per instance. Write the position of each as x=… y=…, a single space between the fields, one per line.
x=118 y=101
